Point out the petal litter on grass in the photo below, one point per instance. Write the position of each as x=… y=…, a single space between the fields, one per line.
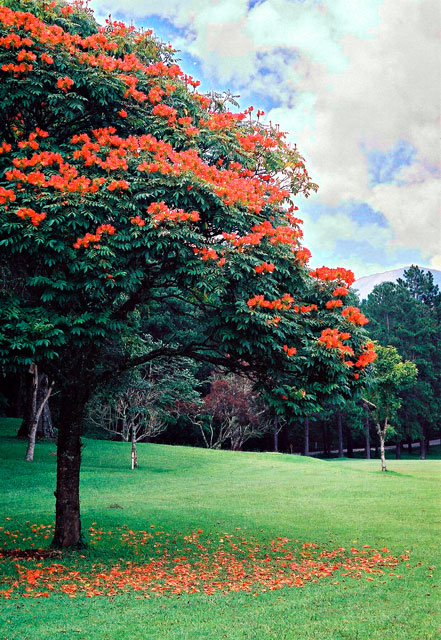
x=165 y=565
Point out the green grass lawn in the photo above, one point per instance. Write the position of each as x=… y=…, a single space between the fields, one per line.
x=256 y=495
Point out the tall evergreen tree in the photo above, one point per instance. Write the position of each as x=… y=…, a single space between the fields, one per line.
x=407 y=315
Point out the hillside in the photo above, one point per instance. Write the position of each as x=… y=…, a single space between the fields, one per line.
x=245 y=510
x=365 y=284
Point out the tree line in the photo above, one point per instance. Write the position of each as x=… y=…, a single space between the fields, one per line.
x=180 y=402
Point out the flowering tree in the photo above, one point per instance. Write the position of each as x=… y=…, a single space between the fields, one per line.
x=122 y=188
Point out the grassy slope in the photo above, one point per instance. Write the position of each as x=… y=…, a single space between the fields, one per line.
x=329 y=502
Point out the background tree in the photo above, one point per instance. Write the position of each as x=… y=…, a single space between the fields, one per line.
x=34 y=394
x=41 y=392
x=234 y=410
x=139 y=407
x=407 y=315
x=393 y=377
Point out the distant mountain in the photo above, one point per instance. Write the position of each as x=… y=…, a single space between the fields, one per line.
x=365 y=284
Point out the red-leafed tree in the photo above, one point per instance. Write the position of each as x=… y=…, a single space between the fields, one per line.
x=122 y=189
x=231 y=412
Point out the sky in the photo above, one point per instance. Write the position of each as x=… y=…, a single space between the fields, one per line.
x=355 y=84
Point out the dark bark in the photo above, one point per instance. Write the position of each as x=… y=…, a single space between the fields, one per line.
x=74 y=397
x=367 y=436
x=409 y=445
x=398 y=451
x=349 y=443
x=25 y=426
x=325 y=436
x=45 y=428
x=276 y=435
x=306 y=438
x=340 y=435
x=422 y=448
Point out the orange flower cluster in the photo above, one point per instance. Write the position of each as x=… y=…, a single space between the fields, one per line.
x=367 y=356
x=207 y=253
x=340 y=291
x=221 y=121
x=279 y=303
x=172 y=565
x=252 y=141
x=17 y=68
x=5 y=148
x=265 y=266
x=327 y=274
x=226 y=183
x=277 y=235
x=46 y=59
x=303 y=255
x=31 y=142
x=95 y=237
x=138 y=221
x=26 y=56
x=165 y=111
x=118 y=184
x=332 y=304
x=290 y=351
x=64 y=83
x=155 y=94
x=105 y=41
x=162 y=213
x=14 y=40
x=354 y=315
x=35 y=217
x=332 y=339
x=306 y=308
x=6 y=195
x=132 y=91
x=68 y=178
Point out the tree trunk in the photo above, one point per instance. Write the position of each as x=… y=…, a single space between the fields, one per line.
x=427 y=441
x=326 y=448
x=67 y=508
x=382 y=453
x=276 y=435
x=350 y=444
x=340 y=435
x=32 y=435
x=367 y=437
x=134 y=451
x=31 y=386
x=45 y=428
x=422 y=448
x=306 y=438
x=35 y=392
x=398 y=451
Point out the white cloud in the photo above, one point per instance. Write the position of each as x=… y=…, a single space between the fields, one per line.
x=349 y=76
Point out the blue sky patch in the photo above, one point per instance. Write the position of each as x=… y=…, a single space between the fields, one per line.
x=358 y=250
x=362 y=213
x=384 y=165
